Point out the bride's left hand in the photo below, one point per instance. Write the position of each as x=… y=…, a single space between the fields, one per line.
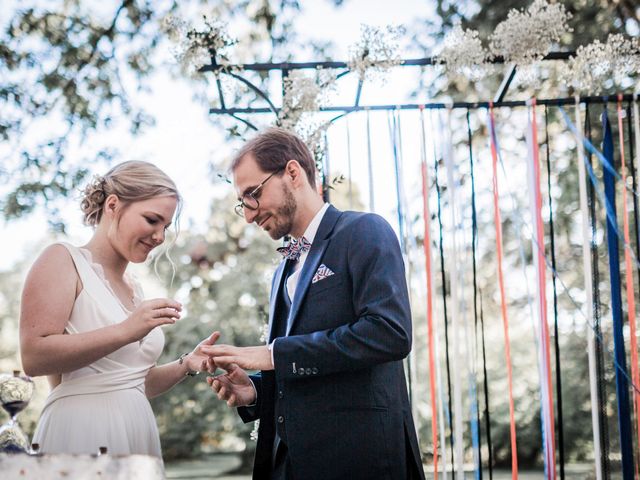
x=197 y=360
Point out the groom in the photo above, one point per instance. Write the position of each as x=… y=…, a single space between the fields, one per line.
x=331 y=393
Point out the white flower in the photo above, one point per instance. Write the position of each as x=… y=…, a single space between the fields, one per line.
x=526 y=37
x=463 y=54
x=303 y=94
x=312 y=129
x=303 y=98
x=196 y=48
x=376 y=51
x=600 y=63
x=254 y=433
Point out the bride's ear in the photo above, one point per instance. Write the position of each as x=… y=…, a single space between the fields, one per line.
x=111 y=204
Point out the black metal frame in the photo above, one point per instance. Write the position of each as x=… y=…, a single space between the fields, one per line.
x=286 y=67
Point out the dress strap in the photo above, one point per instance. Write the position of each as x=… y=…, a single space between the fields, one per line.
x=84 y=269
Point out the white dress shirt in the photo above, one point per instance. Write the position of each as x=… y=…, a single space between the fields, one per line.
x=310 y=235
x=292 y=280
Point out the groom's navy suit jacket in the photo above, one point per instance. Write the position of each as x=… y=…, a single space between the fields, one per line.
x=338 y=396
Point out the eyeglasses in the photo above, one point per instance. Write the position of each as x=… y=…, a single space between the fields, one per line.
x=250 y=200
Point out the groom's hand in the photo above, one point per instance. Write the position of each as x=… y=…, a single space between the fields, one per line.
x=249 y=358
x=234 y=387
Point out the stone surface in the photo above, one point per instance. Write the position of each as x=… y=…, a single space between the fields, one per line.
x=80 y=467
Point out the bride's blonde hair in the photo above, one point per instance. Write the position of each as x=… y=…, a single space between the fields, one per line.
x=131 y=181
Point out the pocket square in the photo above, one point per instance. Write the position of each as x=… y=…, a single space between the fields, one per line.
x=322 y=273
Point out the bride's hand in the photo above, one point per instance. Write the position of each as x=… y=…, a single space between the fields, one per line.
x=149 y=315
x=197 y=360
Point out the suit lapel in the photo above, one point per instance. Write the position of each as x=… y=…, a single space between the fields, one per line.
x=275 y=291
x=314 y=256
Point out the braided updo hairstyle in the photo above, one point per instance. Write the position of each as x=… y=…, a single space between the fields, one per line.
x=131 y=181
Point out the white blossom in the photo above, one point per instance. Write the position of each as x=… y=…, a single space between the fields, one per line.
x=598 y=63
x=254 y=433
x=462 y=54
x=526 y=37
x=303 y=98
x=303 y=94
x=195 y=48
x=375 y=52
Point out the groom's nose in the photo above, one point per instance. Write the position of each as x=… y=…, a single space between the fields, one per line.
x=250 y=215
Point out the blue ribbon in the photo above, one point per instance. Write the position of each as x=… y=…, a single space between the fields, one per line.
x=622 y=386
x=608 y=206
x=393 y=135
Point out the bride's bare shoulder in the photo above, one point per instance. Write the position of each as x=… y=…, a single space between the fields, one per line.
x=53 y=264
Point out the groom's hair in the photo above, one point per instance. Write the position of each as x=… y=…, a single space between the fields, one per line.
x=273 y=148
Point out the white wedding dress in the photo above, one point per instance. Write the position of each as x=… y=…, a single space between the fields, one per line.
x=103 y=404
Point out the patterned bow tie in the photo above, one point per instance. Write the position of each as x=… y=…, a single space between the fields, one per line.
x=295 y=248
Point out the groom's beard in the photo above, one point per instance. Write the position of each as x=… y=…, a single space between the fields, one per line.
x=284 y=216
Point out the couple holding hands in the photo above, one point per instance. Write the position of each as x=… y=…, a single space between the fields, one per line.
x=329 y=386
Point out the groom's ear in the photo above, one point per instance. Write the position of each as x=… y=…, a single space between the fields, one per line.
x=294 y=171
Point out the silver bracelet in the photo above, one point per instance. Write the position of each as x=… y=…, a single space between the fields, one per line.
x=190 y=373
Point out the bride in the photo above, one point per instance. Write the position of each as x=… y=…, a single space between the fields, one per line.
x=85 y=324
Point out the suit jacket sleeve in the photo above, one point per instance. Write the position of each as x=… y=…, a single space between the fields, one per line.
x=378 y=330
x=252 y=413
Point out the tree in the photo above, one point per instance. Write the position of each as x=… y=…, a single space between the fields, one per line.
x=72 y=72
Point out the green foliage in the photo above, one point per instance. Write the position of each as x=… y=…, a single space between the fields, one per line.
x=11 y=282
x=74 y=70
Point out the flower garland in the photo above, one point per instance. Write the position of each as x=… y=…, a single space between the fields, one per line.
x=463 y=54
x=303 y=97
x=375 y=52
x=526 y=37
x=523 y=39
x=195 y=48
x=597 y=64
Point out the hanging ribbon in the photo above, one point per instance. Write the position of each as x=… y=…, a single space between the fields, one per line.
x=443 y=403
x=406 y=237
x=326 y=176
x=503 y=300
x=455 y=314
x=632 y=168
x=631 y=304
x=609 y=206
x=349 y=173
x=474 y=245
x=588 y=289
x=556 y=336
x=372 y=205
x=473 y=401
x=622 y=385
x=409 y=244
x=429 y=274
x=636 y=128
x=392 y=122
x=544 y=356
x=486 y=391
x=597 y=310
x=444 y=303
